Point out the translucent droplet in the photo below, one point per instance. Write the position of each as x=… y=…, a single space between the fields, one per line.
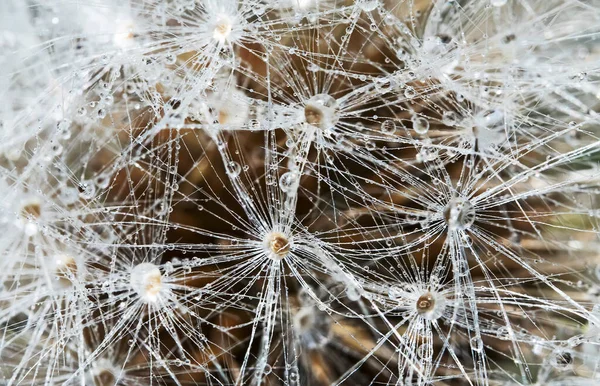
x=56 y=149
x=388 y=126
x=233 y=169
x=476 y=344
x=367 y=5
x=409 y=92
x=420 y=125
x=146 y=280
x=288 y=182
x=498 y=3
x=562 y=360
x=352 y=293
x=63 y=128
x=101 y=113
x=449 y=118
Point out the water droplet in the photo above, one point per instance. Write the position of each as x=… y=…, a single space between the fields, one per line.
x=477 y=344
x=101 y=113
x=288 y=182
x=420 y=125
x=367 y=5
x=388 y=126
x=449 y=118
x=233 y=169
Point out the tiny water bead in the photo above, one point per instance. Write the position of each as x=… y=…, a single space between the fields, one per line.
x=322 y=111
x=146 y=281
x=388 y=126
x=288 y=182
x=488 y=130
x=459 y=214
x=476 y=344
x=410 y=92
x=420 y=125
x=562 y=359
x=277 y=245
x=233 y=169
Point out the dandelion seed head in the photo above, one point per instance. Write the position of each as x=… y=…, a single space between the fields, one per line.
x=147 y=281
x=426 y=169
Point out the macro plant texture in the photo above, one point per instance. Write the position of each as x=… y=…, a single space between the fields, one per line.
x=299 y=192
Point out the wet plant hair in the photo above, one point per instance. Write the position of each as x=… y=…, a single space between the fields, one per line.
x=299 y=192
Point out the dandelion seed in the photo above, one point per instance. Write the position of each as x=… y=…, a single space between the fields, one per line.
x=459 y=214
x=430 y=306
x=146 y=281
x=321 y=111
x=222 y=28
x=277 y=245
